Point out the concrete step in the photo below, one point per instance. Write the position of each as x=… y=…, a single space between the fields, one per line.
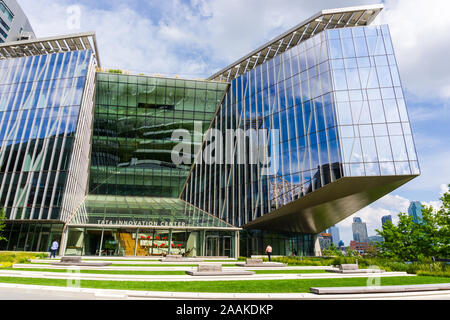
x=381 y=289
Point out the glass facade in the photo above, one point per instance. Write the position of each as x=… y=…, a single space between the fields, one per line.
x=336 y=104
x=144 y=226
x=43 y=122
x=254 y=242
x=88 y=157
x=373 y=121
x=134 y=120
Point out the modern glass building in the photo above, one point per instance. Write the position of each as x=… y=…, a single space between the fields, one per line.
x=359 y=230
x=14 y=24
x=385 y=219
x=415 y=211
x=276 y=148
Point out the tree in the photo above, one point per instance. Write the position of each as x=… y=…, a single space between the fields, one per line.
x=332 y=251
x=413 y=241
x=2 y=224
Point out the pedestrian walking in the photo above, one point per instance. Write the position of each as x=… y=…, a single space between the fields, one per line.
x=269 y=251
x=54 y=247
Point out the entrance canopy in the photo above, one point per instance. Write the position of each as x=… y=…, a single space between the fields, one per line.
x=144 y=213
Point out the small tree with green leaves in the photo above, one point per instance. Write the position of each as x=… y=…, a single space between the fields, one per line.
x=332 y=251
x=414 y=241
x=2 y=224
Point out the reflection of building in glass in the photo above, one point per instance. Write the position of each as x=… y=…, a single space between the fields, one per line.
x=415 y=211
x=96 y=172
x=359 y=229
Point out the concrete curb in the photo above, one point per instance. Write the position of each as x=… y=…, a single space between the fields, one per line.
x=106 y=294
x=73 y=275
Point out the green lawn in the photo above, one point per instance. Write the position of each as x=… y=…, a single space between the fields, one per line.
x=155 y=272
x=242 y=286
x=146 y=265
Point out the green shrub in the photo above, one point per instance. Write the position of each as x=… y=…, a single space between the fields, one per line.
x=434 y=274
x=7 y=259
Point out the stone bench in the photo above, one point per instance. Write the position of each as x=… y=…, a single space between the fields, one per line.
x=353 y=269
x=76 y=261
x=179 y=258
x=382 y=289
x=259 y=263
x=215 y=269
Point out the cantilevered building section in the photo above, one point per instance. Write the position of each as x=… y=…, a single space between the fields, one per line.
x=335 y=99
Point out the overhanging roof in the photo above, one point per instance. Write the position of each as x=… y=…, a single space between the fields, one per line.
x=34 y=47
x=325 y=19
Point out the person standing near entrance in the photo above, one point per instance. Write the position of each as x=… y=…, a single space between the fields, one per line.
x=53 y=249
x=269 y=251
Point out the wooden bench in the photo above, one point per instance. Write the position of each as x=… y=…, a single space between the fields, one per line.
x=215 y=269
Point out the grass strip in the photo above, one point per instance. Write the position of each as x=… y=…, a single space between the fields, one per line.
x=242 y=286
x=132 y=272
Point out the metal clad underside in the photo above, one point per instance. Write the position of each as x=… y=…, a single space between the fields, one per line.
x=327 y=206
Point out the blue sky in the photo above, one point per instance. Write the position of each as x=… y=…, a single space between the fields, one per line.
x=196 y=38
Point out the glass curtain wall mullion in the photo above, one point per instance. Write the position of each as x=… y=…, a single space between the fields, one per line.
x=245 y=118
x=46 y=139
x=41 y=155
x=9 y=132
x=77 y=179
x=232 y=187
x=58 y=166
x=255 y=166
x=288 y=106
x=15 y=128
x=57 y=138
x=30 y=174
x=21 y=107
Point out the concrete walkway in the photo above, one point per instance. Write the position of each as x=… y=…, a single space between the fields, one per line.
x=130 y=277
x=144 y=262
x=161 y=268
x=16 y=292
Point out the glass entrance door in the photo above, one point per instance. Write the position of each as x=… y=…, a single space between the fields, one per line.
x=226 y=248
x=212 y=246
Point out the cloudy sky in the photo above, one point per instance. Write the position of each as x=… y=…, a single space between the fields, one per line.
x=198 y=37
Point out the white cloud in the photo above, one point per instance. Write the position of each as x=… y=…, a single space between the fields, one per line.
x=372 y=214
x=444 y=189
x=422 y=42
